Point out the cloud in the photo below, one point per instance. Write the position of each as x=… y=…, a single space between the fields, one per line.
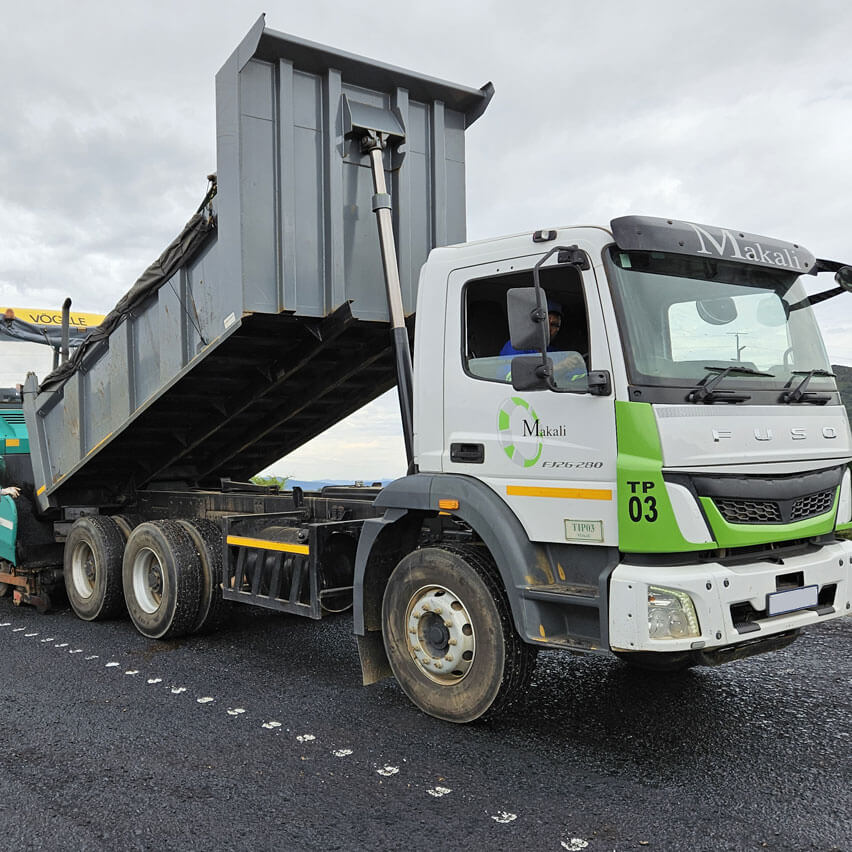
x=729 y=113
x=366 y=446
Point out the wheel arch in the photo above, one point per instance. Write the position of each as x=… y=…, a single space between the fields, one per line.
x=407 y=501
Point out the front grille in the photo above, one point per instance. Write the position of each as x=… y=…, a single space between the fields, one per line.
x=748 y=511
x=812 y=505
x=767 y=499
x=736 y=511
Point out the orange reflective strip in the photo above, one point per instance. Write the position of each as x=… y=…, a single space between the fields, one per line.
x=559 y=493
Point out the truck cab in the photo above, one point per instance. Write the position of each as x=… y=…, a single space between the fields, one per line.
x=678 y=495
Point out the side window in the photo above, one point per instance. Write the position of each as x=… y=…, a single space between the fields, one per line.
x=488 y=351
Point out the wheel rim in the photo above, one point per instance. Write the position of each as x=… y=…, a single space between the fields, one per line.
x=440 y=635
x=148 y=580
x=83 y=570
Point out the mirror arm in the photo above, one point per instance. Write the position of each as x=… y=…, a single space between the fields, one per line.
x=540 y=312
x=816 y=298
x=539 y=315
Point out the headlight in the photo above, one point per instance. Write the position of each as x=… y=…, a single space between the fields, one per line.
x=671 y=614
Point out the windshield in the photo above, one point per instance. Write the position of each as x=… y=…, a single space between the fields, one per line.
x=680 y=316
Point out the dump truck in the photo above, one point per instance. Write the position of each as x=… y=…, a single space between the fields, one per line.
x=621 y=440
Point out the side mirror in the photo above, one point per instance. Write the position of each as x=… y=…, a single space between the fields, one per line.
x=525 y=318
x=843 y=277
x=528 y=373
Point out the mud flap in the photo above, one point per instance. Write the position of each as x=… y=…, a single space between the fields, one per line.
x=374 y=660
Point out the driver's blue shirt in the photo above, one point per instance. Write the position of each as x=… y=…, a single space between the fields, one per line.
x=508 y=349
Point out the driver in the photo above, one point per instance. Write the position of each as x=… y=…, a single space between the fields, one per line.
x=554 y=320
x=572 y=366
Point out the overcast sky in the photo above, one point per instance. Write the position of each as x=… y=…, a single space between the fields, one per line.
x=727 y=113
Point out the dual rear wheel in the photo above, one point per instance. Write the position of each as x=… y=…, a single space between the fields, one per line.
x=165 y=574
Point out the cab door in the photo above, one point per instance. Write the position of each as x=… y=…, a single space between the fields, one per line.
x=550 y=456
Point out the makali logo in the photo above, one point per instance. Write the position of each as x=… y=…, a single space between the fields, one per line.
x=520 y=438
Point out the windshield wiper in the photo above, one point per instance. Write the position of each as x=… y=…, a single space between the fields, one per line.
x=798 y=394
x=705 y=390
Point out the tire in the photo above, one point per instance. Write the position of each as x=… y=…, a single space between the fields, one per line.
x=208 y=541
x=4 y=589
x=127 y=523
x=162 y=579
x=492 y=666
x=92 y=568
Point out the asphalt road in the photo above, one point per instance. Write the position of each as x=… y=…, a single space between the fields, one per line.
x=261 y=737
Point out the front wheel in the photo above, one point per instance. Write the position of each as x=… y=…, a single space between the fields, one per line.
x=449 y=636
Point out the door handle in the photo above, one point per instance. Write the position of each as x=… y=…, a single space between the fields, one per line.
x=467 y=453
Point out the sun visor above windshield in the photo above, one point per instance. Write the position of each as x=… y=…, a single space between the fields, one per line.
x=647 y=233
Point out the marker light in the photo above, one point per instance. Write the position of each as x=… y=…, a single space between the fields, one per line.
x=544 y=236
x=671 y=614
x=844 y=506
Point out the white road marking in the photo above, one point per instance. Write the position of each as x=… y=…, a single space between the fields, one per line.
x=504 y=817
x=92 y=657
x=177 y=690
x=61 y=645
x=271 y=725
x=155 y=680
x=30 y=634
x=387 y=771
x=76 y=651
x=52 y=639
x=235 y=711
x=132 y=672
x=306 y=738
x=110 y=665
x=18 y=629
x=575 y=844
x=438 y=792
x=205 y=700
x=6 y=624
x=342 y=752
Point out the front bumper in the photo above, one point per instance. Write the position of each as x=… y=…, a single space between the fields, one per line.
x=729 y=600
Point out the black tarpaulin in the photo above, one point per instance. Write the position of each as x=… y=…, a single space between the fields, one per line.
x=179 y=251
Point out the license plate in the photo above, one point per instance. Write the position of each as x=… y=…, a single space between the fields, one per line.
x=778 y=603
